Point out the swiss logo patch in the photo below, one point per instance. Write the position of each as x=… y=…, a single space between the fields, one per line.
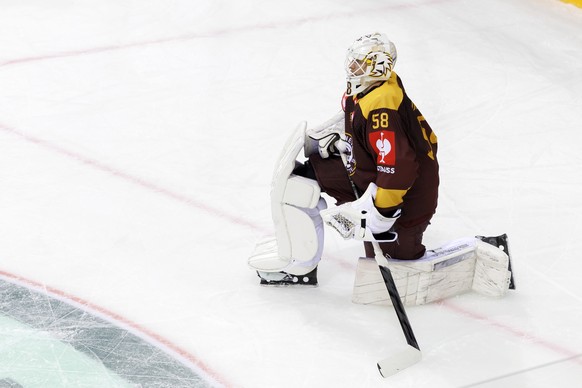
x=384 y=146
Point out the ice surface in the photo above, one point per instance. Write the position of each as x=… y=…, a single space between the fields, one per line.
x=48 y=342
x=137 y=142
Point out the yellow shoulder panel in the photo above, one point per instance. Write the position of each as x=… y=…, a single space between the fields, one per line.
x=389 y=95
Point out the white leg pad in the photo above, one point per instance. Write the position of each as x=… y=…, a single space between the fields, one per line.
x=302 y=234
x=491 y=275
x=266 y=258
x=458 y=267
x=295 y=206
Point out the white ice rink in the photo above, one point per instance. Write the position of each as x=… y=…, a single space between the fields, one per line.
x=137 y=143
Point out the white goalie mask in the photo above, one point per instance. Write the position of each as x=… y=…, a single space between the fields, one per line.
x=369 y=59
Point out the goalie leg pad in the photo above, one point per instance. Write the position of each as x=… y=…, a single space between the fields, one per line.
x=453 y=269
x=492 y=276
x=306 y=236
x=295 y=207
x=439 y=274
x=298 y=245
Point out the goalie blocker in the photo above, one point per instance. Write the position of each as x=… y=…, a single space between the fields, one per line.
x=480 y=264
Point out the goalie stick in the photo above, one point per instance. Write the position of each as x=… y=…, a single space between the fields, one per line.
x=410 y=354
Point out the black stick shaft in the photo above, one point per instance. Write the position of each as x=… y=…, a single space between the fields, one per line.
x=389 y=281
x=398 y=306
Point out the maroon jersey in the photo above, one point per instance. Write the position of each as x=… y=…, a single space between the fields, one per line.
x=394 y=147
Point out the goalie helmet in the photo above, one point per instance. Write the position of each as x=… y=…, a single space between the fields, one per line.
x=369 y=59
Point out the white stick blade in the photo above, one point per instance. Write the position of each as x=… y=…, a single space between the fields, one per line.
x=399 y=360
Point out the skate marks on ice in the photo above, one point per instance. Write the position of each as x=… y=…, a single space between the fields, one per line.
x=47 y=341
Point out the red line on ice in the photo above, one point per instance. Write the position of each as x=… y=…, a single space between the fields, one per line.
x=220 y=32
x=132 y=179
x=513 y=331
x=88 y=306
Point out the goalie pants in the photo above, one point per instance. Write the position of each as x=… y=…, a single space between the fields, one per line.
x=333 y=180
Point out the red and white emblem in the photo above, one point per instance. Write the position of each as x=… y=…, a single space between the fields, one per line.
x=384 y=146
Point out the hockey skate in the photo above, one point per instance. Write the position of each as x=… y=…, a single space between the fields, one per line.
x=287 y=279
